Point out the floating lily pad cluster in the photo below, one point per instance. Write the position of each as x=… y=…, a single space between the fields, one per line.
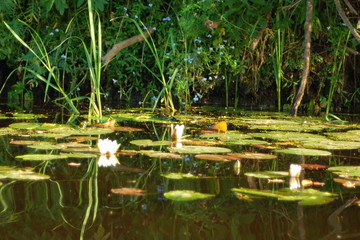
x=305 y=138
x=304 y=196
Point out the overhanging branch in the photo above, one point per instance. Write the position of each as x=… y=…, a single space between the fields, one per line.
x=126 y=43
x=343 y=16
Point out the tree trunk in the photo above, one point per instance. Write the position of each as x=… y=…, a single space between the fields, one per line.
x=307 y=43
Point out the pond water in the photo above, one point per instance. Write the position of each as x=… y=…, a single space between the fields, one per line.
x=146 y=194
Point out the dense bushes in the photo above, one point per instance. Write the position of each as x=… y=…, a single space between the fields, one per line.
x=244 y=51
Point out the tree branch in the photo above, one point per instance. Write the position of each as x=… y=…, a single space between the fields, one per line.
x=346 y=20
x=126 y=43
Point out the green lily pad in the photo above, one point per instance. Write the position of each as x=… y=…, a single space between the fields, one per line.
x=25 y=125
x=8 y=131
x=155 y=154
x=44 y=146
x=149 y=143
x=347 y=182
x=305 y=197
x=20 y=174
x=288 y=136
x=186 y=195
x=348 y=171
x=40 y=157
x=141 y=117
x=304 y=152
x=28 y=116
x=215 y=157
x=254 y=155
x=352 y=136
x=81 y=149
x=268 y=174
x=23 y=142
x=295 y=127
x=178 y=175
x=330 y=144
x=83 y=131
x=229 y=136
x=51 y=135
x=79 y=155
x=200 y=149
x=249 y=142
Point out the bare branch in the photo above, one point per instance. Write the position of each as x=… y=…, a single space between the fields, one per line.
x=346 y=20
x=126 y=43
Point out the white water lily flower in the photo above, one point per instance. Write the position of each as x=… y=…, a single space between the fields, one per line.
x=107 y=160
x=177 y=131
x=107 y=146
x=295 y=170
x=294 y=183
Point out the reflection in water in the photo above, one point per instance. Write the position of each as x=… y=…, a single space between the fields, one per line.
x=78 y=203
x=108 y=160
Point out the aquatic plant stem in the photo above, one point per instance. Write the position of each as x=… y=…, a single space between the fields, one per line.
x=92 y=195
x=94 y=63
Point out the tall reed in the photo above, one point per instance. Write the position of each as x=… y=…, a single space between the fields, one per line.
x=277 y=59
x=167 y=84
x=41 y=53
x=336 y=76
x=93 y=57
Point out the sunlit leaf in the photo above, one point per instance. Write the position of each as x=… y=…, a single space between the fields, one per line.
x=186 y=195
x=347 y=182
x=288 y=136
x=304 y=152
x=25 y=125
x=8 y=131
x=253 y=155
x=267 y=174
x=163 y=155
x=44 y=146
x=23 y=142
x=84 y=131
x=79 y=155
x=313 y=166
x=200 y=149
x=40 y=157
x=215 y=157
x=346 y=171
x=351 y=136
x=330 y=144
x=127 y=129
x=178 y=175
x=129 y=191
x=20 y=174
x=229 y=136
x=149 y=142
x=305 y=196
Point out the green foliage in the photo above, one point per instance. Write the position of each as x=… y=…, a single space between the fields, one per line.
x=254 y=52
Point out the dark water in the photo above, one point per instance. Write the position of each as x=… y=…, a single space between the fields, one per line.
x=77 y=202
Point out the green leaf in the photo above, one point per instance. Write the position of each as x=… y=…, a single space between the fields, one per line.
x=199 y=149
x=40 y=157
x=61 y=5
x=186 y=195
x=304 y=152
